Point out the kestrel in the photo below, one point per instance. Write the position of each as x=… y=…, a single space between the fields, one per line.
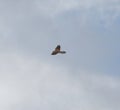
x=57 y=50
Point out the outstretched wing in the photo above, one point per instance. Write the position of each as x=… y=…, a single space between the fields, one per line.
x=57 y=48
x=56 y=51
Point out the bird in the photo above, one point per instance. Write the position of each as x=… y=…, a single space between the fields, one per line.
x=57 y=50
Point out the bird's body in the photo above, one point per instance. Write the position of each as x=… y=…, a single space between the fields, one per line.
x=57 y=50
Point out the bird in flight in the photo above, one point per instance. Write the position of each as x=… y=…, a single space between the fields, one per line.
x=57 y=50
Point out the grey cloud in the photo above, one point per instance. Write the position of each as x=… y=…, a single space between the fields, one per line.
x=32 y=79
x=25 y=28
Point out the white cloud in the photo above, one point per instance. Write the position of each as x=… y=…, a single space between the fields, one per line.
x=107 y=10
x=53 y=7
x=57 y=6
x=30 y=83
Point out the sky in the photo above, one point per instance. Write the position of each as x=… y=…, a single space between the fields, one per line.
x=87 y=77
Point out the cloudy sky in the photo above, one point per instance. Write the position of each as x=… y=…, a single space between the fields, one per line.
x=86 y=78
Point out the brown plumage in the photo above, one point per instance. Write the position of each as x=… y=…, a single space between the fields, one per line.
x=57 y=50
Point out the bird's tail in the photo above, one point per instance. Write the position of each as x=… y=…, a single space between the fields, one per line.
x=62 y=52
